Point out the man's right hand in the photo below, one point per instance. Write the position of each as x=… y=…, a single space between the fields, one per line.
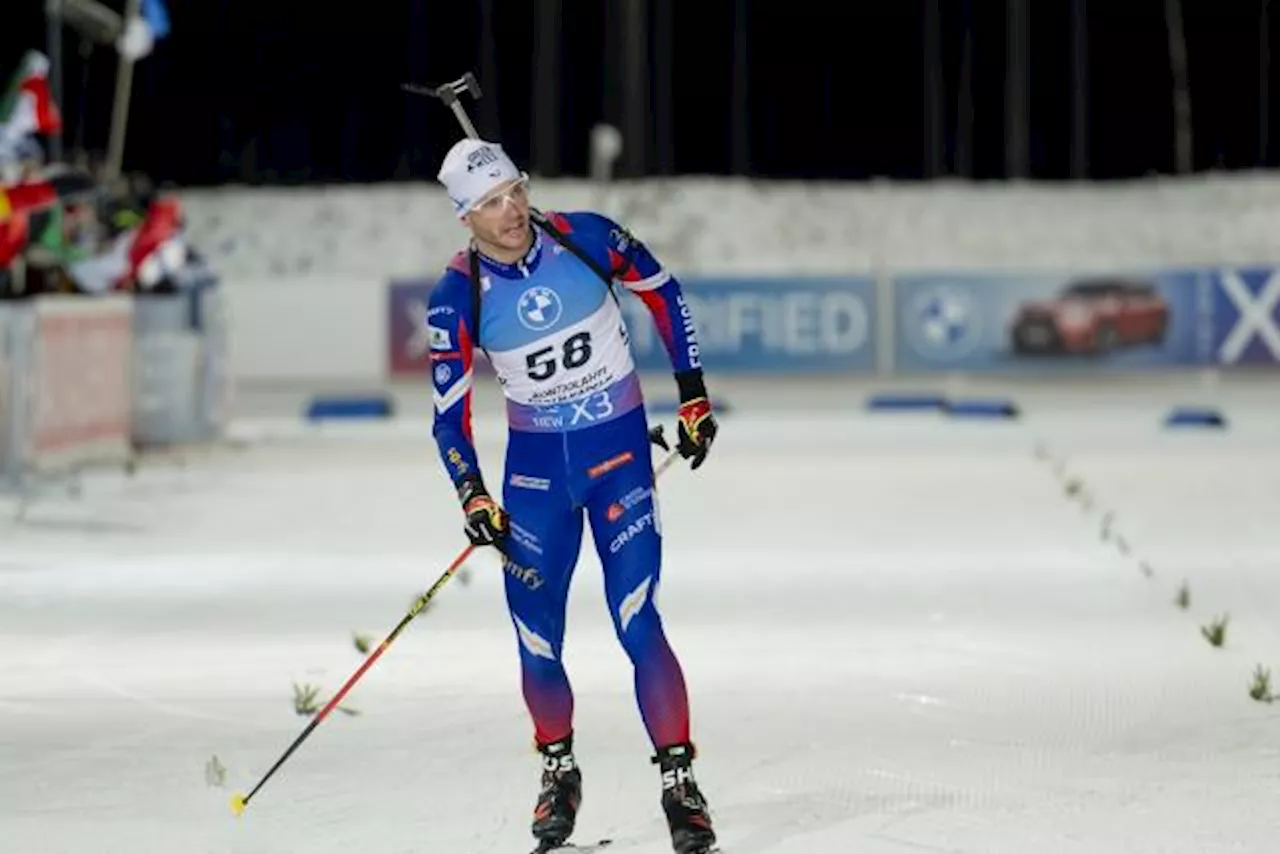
x=486 y=523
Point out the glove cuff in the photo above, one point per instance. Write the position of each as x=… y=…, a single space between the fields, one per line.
x=690 y=384
x=470 y=486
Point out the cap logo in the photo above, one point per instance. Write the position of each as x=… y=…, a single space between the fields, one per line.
x=481 y=157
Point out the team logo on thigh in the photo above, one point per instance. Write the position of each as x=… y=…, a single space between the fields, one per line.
x=638 y=526
x=619 y=508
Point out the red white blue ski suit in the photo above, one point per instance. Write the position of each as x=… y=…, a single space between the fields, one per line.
x=578 y=445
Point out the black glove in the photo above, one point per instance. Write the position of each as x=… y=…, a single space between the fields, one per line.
x=697 y=424
x=486 y=522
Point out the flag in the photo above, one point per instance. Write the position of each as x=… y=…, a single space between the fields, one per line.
x=27 y=106
x=60 y=184
x=157 y=18
x=141 y=33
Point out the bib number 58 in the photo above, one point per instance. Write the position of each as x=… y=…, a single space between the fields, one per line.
x=574 y=353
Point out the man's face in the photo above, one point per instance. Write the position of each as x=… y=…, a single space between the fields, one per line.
x=501 y=218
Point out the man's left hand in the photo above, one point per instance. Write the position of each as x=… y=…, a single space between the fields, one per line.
x=697 y=429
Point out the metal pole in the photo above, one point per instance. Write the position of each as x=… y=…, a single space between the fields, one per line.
x=1181 y=88
x=415 y=148
x=964 y=109
x=612 y=94
x=546 y=89
x=490 y=119
x=740 y=118
x=1079 y=91
x=933 y=89
x=636 y=87
x=1264 y=84
x=663 y=106
x=1017 y=120
x=53 y=47
x=120 y=107
x=82 y=102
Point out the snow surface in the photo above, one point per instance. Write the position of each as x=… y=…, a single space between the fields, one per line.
x=900 y=635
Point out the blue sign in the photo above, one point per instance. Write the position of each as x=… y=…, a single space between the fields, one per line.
x=1246 y=316
x=767 y=324
x=408 y=349
x=1005 y=321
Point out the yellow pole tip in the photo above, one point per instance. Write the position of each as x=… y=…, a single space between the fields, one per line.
x=237 y=804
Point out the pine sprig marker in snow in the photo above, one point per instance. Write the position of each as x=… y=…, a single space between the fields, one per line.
x=1260 y=688
x=363 y=643
x=1215 y=631
x=1183 y=599
x=215 y=774
x=306 y=701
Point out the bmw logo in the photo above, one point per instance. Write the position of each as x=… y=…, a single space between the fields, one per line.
x=539 y=308
x=943 y=322
x=443 y=373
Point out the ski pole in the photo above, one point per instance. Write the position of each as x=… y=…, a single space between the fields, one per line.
x=239 y=802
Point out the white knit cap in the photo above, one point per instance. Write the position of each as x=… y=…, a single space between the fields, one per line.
x=472 y=168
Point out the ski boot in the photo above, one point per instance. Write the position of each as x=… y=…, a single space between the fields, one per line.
x=557 y=808
x=688 y=815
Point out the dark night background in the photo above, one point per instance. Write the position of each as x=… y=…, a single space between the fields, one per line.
x=269 y=91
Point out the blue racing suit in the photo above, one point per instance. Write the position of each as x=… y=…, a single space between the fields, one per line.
x=577 y=446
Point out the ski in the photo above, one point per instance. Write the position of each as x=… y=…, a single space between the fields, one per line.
x=593 y=847
x=571 y=848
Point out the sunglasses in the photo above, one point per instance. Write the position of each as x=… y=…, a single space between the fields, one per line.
x=516 y=193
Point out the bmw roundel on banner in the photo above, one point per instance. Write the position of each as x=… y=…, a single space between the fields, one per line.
x=943 y=322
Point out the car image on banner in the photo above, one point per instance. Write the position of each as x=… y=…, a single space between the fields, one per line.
x=1095 y=316
x=1009 y=321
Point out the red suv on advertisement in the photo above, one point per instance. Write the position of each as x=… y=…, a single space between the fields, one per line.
x=1092 y=316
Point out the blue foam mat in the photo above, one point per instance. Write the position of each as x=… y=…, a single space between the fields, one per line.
x=1195 y=416
x=980 y=408
x=349 y=406
x=894 y=402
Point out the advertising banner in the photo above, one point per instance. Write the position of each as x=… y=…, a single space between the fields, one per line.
x=1246 y=316
x=408 y=350
x=1014 y=322
x=744 y=324
x=780 y=325
x=76 y=407
x=408 y=340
